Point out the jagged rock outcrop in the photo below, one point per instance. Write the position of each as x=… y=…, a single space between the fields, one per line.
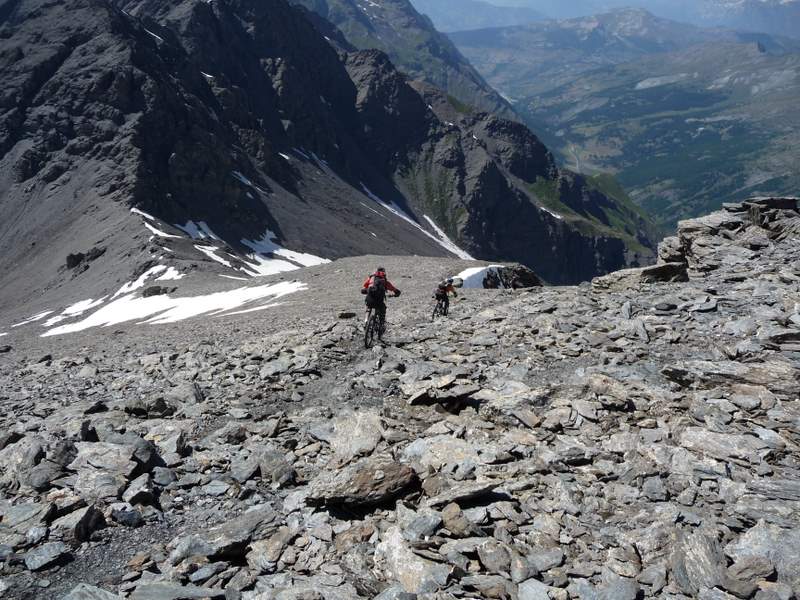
x=553 y=442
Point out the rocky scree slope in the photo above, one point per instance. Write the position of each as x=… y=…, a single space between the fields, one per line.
x=634 y=438
x=239 y=122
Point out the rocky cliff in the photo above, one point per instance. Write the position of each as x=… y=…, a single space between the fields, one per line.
x=618 y=441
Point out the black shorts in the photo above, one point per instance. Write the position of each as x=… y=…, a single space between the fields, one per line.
x=375 y=301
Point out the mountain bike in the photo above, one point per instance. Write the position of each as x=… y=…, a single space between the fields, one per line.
x=375 y=327
x=439 y=310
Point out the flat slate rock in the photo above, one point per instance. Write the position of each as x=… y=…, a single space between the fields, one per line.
x=174 y=591
x=370 y=481
x=45 y=555
x=229 y=539
x=83 y=591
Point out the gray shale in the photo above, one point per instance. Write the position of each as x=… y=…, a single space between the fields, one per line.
x=637 y=437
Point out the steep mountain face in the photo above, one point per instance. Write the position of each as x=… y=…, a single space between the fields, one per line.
x=682 y=116
x=250 y=145
x=413 y=44
x=461 y=15
x=500 y=180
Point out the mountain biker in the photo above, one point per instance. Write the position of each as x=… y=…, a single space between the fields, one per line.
x=375 y=288
x=443 y=291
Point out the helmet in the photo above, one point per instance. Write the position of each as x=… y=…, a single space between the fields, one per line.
x=380 y=270
x=450 y=280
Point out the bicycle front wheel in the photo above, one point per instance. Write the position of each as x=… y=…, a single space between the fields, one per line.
x=369 y=330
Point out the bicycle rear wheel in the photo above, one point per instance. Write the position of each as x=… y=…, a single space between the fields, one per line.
x=369 y=330
x=437 y=311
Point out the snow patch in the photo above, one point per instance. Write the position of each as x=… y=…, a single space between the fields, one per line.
x=2 y=334
x=158 y=37
x=209 y=252
x=33 y=319
x=75 y=310
x=160 y=233
x=234 y=277
x=267 y=245
x=284 y=156
x=473 y=277
x=551 y=213
x=446 y=242
x=198 y=231
x=242 y=178
x=165 y=309
x=171 y=274
x=260 y=266
x=132 y=286
x=144 y=214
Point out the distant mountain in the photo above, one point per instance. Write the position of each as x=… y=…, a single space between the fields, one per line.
x=413 y=44
x=461 y=15
x=779 y=17
x=683 y=116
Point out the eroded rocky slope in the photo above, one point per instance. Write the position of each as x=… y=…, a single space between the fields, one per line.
x=636 y=437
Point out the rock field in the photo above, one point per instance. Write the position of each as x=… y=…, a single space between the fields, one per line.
x=636 y=437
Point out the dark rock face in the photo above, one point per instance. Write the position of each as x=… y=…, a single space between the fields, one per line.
x=485 y=180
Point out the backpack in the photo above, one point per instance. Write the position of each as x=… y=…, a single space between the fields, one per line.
x=377 y=288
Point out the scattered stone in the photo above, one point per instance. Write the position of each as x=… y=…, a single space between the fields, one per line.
x=370 y=481
x=88 y=592
x=46 y=555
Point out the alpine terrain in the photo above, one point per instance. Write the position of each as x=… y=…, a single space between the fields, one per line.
x=195 y=403
x=683 y=117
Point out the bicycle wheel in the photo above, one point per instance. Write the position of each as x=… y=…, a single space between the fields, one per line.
x=369 y=330
x=437 y=311
x=381 y=327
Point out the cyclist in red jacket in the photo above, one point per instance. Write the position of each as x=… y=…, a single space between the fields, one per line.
x=375 y=288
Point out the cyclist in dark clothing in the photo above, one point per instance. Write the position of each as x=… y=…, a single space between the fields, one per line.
x=375 y=288
x=443 y=291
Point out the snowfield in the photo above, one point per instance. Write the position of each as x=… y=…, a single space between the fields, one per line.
x=473 y=277
x=166 y=309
